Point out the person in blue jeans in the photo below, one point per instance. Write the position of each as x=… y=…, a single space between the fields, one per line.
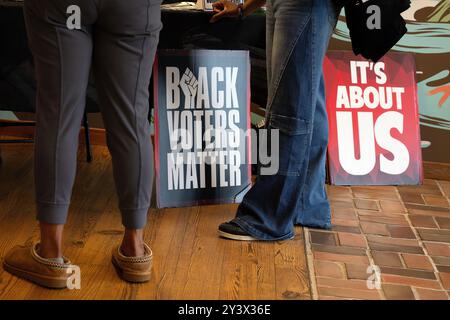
x=298 y=33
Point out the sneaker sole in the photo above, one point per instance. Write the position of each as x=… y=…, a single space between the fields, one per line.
x=231 y=236
x=41 y=280
x=129 y=276
x=245 y=238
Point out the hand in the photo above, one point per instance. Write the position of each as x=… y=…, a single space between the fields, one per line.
x=224 y=9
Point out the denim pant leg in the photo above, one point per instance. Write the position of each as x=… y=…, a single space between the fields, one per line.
x=314 y=208
x=301 y=32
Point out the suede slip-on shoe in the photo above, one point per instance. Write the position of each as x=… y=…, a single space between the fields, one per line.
x=24 y=262
x=133 y=269
x=233 y=231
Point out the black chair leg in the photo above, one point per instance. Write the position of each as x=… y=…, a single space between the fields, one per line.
x=87 y=137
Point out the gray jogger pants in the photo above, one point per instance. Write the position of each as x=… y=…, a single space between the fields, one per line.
x=118 y=39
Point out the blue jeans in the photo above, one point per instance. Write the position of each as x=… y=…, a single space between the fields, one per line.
x=298 y=33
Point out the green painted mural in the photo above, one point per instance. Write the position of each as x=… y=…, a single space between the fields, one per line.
x=428 y=38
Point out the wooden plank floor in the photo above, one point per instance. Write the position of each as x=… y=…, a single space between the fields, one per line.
x=190 y=261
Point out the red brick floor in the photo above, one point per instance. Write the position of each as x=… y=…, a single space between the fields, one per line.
x=402 y=232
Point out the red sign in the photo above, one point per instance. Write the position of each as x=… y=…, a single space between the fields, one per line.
x=373 y=119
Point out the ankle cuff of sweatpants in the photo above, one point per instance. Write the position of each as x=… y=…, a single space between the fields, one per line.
x=52 y=213
x=134 y=218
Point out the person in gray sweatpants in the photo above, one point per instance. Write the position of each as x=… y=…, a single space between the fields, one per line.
x=118 y=39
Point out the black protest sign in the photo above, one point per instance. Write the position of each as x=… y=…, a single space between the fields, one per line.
x=202 y=120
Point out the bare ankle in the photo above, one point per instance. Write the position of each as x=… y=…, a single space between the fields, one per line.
x=133 y=243
x=47 y=251
x=51 y=240
x=132 y=251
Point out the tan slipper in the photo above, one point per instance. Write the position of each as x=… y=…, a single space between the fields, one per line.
x=133 y=269
x=25 y=263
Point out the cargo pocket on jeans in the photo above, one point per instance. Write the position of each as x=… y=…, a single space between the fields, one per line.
x=289 y=125
x=294 y=136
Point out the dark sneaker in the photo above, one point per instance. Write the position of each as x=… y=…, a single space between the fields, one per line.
x=233 y=231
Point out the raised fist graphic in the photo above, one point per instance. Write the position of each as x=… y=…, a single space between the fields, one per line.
x=189 y=85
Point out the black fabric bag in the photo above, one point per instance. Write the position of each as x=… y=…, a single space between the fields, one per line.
x=373 y=44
